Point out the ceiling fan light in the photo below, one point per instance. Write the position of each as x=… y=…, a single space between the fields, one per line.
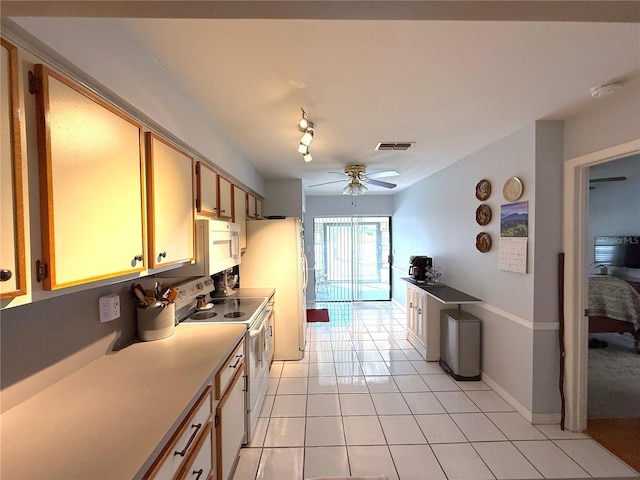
x=307 y=137
x=307 y=157
x=303 y=149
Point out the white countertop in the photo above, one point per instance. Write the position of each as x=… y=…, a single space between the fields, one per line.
x=109 y=419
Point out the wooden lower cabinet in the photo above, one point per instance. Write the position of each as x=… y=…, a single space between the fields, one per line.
x=230 y=427
x=416 y=315
x=206 y=446
x=200 y=465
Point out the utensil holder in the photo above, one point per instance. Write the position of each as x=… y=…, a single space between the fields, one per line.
x=156 y=323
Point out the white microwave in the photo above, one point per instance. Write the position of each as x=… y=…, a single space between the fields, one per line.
x=217 y=248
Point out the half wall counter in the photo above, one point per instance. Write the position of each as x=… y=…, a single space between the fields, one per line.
x=424 y=304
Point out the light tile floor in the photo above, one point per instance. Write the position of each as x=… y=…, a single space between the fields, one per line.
x=363 y=402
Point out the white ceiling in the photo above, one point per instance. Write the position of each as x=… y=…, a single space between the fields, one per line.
x=450 y=86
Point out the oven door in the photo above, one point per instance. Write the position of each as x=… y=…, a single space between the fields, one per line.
x=260 y=344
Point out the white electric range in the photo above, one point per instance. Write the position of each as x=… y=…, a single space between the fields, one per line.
x=254 y=307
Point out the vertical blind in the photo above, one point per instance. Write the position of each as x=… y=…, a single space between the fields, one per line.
x=352 y=258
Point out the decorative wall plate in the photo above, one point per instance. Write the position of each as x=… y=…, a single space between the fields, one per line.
x=483 y=242
x=512 y=189
x=483 y=214
x=483 y=189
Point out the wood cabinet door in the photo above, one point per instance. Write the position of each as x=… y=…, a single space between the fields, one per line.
x=207 y=192
x=224 y=198
x=251 y=206
x=230 y=428
x=13 y=274
x=91 y=184
x=240 y=214
x=170 y=203
x=258 y=208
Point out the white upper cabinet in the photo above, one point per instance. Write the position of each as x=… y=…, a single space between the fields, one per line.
x=171 y=206
x=12 y=242
x=225 y=201
x=258 y=208
x=91 y=184
x=251 y=206
x=240 y=213
x=207 y=191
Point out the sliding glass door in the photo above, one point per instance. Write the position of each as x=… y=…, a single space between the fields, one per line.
x=352 y=258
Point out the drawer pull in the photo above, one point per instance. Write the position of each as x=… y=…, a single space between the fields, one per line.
x=197 y=473
x=186 y=447
x=238 y=358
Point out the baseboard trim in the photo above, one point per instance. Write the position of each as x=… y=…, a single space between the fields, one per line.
x=533 y=418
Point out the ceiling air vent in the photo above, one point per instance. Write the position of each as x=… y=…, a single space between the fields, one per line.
x=394 y=145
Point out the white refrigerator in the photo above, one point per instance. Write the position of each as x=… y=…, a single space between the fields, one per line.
x=275 y=258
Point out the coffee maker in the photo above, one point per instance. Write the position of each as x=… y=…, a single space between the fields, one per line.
x=418 y=267
x=224 y=282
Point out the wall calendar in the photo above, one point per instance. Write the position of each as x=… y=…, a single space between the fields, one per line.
x=512 y=254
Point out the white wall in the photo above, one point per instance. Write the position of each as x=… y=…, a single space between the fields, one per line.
x=436 y=217
x=612 y=120
x=284 y=197
x=339 y=205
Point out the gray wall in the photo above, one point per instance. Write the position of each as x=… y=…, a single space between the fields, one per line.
x=436 y=217
x=338 y=205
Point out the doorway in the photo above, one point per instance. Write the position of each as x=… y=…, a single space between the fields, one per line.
x=352 y=258
x=578 y=255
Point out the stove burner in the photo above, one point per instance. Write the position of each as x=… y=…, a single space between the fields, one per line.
x=234 y=314
x=202 y=315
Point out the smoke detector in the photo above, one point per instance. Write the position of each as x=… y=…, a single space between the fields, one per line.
x=605 y=89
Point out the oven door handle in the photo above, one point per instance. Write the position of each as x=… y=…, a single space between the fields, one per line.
x=265 y=315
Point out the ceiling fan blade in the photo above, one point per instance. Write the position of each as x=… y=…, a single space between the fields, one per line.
x=607 y=179
x=327 y=183
x=380 y=183
x=386 y=173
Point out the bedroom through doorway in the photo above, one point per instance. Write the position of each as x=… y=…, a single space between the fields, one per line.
x=613 y=377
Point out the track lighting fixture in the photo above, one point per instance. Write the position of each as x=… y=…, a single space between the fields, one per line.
x=306 y=126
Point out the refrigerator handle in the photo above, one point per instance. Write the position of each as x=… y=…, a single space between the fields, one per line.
x=305 y=270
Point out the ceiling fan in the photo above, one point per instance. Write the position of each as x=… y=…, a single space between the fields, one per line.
x=357 y=177
x=605 y=180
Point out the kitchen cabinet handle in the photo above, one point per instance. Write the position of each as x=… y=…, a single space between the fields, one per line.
x=162 y=255
x=238 y=358
x=5 y=275
x=186 y=447
x=198 y=473
x=138 y=258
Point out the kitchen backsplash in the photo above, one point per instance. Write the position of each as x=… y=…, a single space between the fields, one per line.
x=42 y=342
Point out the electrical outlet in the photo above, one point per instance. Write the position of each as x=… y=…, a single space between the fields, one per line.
x=109 y=307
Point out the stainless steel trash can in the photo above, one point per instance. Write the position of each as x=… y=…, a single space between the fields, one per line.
x=460 y=345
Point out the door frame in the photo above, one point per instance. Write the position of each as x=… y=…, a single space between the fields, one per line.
x=576 y=332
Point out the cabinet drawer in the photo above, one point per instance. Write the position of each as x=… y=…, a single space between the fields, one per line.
x=228 y=370
x=201 y=463
x=185 y=440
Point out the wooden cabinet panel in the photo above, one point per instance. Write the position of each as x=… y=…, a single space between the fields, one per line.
x=91 y=184
x=13 y=281
x=240 y=214
x=251 y=206
x=258 y=208
x=230 y=417
x=224 y=198
x=416 y=315
x=207 y=191
x=170 y=203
